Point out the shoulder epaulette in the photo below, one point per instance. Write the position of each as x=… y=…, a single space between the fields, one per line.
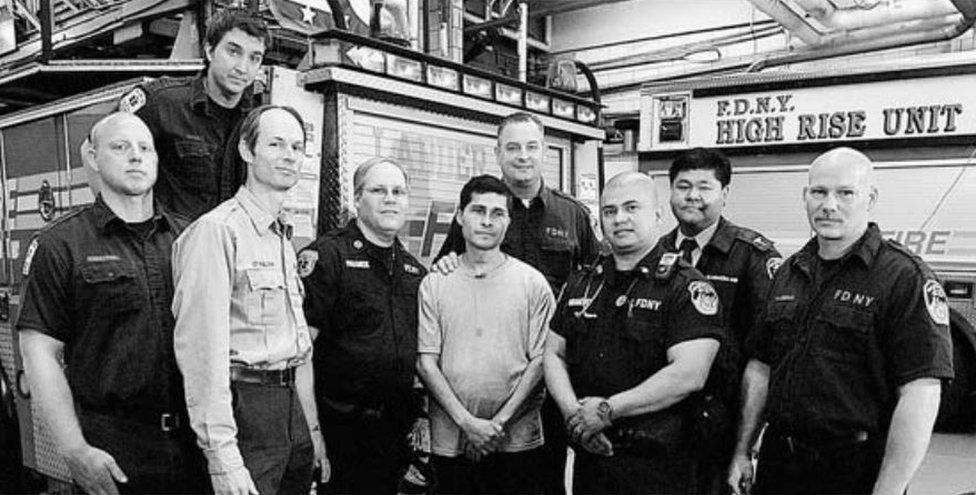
x=164 y=82
x=757 y=240
x=74 y=212
x=579 y=204
x=902 y=249
x=666 y=266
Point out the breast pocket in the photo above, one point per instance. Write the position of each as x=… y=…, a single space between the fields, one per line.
x=109 y=286
x=557 y=258
x=267 y=297
x=781 y=318
x=645 y=340
x=197 y=163
x=845 y=334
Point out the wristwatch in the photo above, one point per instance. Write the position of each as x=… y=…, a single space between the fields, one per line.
x=605 y=410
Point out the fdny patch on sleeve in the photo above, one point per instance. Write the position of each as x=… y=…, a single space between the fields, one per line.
x=936 y=302
x=773 y=264
x=133 y=101
x=703 y=297
x=306 y=262
x=29 y=256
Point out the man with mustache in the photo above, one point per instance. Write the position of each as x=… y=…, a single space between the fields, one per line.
x=362 y=297
x=848 y=353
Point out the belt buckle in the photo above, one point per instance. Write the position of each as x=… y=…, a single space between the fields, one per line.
x=168 y=422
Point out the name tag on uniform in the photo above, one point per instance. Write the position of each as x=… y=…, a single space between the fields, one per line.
x=784 y=298
x=557 y=233
x=577 y=302
x=723 y=278
x=357 y=263
x=262 y=264
x=408 y=268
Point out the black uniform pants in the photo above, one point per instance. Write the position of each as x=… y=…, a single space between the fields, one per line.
x=367 y=449
x=554 y=450
x=154 y=461
x=273 y=437
x=624 y=474
x=515 y=473
x=789 y=466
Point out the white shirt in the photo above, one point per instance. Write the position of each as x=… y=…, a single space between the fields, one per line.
x=702 y=239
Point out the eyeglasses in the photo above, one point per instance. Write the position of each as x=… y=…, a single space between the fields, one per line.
x=380 y=191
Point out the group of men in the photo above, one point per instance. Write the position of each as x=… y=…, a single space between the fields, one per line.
x=175 y=342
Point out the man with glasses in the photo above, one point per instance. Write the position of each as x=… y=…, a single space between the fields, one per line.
x=361 y=288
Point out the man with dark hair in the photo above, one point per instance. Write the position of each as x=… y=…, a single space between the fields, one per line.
x=848 y=353
x=241 y=340
x=740 y=263
x=481 y=335
x=194 y=119
x=97 y=291
x=634 y=336
x=361 y=288
x=549 y=230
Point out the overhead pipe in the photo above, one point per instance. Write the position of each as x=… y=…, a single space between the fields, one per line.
x=898 y=40
x=789 y=19
x=882 y=14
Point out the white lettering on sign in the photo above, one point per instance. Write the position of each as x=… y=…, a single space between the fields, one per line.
x=905 y=108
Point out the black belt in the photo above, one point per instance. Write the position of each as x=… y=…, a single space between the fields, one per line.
x=276 y=378
x=166 y=421
x=814 y=446
x=372 y=413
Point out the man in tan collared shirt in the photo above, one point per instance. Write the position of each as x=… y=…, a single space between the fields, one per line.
x=241 y=339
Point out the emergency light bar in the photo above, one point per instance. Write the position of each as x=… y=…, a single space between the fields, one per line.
x=377 y=56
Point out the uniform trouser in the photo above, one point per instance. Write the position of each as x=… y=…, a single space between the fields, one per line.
x=153 y=460
x=505 y=473
x=273 y=437
x=554 y=450
x=791 y=467
x=624 y=474
x=368 y=450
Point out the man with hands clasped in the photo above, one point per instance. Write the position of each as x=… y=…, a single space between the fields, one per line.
x=481 y=335
x=634 y=335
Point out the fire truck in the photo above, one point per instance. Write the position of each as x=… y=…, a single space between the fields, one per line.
x=917 y=122
x=360 y=97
